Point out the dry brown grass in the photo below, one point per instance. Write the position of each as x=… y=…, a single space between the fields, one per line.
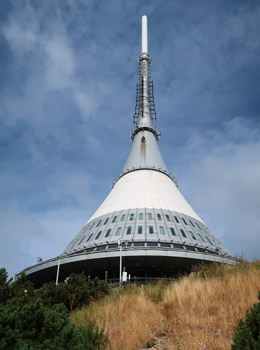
x=194 y=313
x=129 y=319
x=202 y=313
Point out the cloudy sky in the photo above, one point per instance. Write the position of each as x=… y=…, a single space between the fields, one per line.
x=68 y=70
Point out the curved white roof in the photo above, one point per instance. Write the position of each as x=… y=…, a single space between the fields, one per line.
x=145 y=189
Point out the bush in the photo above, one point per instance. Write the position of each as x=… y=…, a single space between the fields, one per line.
x=74 y=293
x=26 y=323
x=4 y=288
x=247 y=334
x=39 y=319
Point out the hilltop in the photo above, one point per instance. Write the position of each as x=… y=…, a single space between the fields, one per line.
x=196 y=312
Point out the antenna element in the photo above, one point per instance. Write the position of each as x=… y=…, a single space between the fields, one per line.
x=144 y=35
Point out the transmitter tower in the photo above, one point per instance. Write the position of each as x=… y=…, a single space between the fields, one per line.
x=145 y=225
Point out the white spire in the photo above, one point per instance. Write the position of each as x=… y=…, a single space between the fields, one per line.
x=144 y=109
x=145 y=153
x=144 y=35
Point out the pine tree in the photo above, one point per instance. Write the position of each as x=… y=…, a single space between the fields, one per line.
x=39 y=319
x=247 y=334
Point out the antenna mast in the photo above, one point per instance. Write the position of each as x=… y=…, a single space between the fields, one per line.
x=145 y=107
x=144 y=35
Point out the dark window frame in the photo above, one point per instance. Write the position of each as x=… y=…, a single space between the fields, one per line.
x=173 y=231
x=108 y=232
x=106 y=221
x=176 y=219
x=99 y=223
x=185 y=222
x=98 y=235
x=183 y=233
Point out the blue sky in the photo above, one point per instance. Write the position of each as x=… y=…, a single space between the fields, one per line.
x=68 y=71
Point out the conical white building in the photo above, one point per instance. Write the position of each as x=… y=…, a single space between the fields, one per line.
x=145 y=219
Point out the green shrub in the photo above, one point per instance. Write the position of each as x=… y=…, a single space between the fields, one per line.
x=73 y=293
x=247 y=334
x=39 y=319
x=151 y=342
x=4 y=288
x=26 y=324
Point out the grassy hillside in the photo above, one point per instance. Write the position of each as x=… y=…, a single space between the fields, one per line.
x=197 y=312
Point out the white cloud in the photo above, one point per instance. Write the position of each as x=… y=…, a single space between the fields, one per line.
x=51 y=62
x=60 y=63
x=223 y=183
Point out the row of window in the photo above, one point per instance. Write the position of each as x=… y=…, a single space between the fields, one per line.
x=150 y=244
x=141 y=216
x=140 y=231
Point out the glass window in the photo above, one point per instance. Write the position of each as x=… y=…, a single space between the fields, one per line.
x=98 y=235
x=140 y=230
x=172 y=231
x=81 y=240
x=184 y=221
x=177 y=246
x=198 y=225
x=150 y=217
x=122 y=217
x=209 y=240
x=200 y=250
x=183 y=233
x=114 y=218
x=118 y=231
x=140 y=216
x=101 y=247
x=89 y=237
x=192 y=223
x=192 y=235
x=113 y=245
x=152 y=244
x=99 y=223
x=90 y=249
x=131 y=216
x=92 y=225
x=188 y=247
x=159 y=217
x=203 y=240
x=108 y=232
x=129 y=228
x=138 y=244
x=105 y=222
x=176 y=219
x=166 y=245
x=162 y=232
x=167 y=217
x=151 y=229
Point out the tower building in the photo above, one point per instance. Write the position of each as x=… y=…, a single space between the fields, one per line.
x=145 y=219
